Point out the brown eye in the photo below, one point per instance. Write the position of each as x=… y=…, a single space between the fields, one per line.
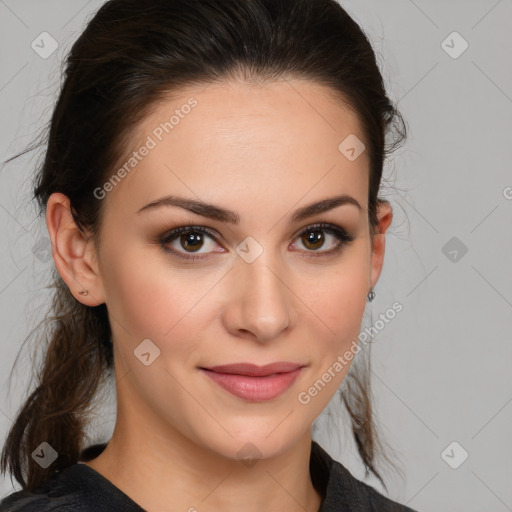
x=187 y=240
x=315 y=237
x=192 y=241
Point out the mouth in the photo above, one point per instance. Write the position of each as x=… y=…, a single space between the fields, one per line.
x=253 y=370
x=254 y=383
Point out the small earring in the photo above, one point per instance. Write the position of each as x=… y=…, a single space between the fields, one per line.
x=371 y=295
x=83 y=292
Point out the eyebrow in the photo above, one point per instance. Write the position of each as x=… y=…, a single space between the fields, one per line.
x=215 y=212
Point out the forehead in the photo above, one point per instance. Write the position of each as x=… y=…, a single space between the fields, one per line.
x=239 y=136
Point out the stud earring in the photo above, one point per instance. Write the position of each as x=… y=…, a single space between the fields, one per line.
x=371 y=295
x=83 y=292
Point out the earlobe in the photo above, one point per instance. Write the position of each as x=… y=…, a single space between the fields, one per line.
x=385 y=217
x=73 y=252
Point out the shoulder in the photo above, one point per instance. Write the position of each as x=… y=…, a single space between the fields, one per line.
x=68 y=490
x=360 y=495
x=77 y=488
x=342 y=491
x=27 y=501
x=60 y=492
x=381 y=503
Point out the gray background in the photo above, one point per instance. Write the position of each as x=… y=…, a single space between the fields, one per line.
x=441 y=368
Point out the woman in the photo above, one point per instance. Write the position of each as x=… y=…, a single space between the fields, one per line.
x=210 y=188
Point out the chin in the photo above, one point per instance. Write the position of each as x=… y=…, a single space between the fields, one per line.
x=256 y=444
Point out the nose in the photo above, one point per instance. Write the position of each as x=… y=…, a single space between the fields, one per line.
x=261 y=302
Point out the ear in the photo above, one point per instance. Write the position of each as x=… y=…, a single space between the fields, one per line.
x=384 y=216
x=73 y=251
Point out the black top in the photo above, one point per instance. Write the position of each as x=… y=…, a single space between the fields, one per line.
x=79 y=488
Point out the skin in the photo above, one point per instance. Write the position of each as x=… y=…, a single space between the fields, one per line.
x=262 y=151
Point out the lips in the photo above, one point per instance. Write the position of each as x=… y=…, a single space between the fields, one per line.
x=254 y=383
x=252 y=370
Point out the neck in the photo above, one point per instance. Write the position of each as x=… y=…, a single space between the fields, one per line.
x=165 y=470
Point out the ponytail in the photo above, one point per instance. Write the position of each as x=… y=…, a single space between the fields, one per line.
x=76 y=361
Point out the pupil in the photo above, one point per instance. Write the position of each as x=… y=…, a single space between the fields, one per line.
x=192 y=239
x=315 y=234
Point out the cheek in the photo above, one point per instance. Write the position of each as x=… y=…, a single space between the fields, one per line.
x=334 y=325
x=148 y=298
x=338 y=299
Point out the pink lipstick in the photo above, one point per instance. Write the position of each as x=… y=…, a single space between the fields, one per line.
x=254 y=383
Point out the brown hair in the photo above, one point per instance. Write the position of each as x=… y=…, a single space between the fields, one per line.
x=131 y=55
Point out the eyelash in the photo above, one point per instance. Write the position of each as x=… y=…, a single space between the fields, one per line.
x=338 y=232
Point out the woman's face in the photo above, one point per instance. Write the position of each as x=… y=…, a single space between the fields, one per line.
x=267 y=288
